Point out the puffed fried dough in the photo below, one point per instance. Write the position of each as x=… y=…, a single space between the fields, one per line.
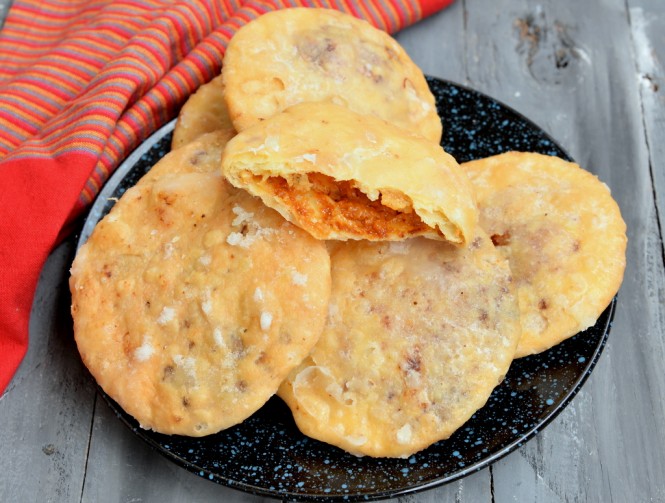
x=192 y=301
x=418 y=335
x=204 y=112
x=296 y=55
x=564 y=237
x=341 y=175
x=203 y=157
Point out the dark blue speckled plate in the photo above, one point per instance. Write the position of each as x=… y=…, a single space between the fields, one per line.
x=267 y=455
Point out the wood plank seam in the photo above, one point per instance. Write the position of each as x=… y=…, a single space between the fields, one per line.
x=87 y=451
x=654 y=88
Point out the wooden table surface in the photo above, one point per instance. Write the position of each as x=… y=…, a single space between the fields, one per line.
x=589 y=73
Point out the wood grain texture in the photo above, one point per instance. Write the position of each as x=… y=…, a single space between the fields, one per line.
x=46 y=412
x=589 y=73
x=123 y=468
x=647 y=19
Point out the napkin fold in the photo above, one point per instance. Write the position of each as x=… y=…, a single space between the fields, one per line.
x=84 y=82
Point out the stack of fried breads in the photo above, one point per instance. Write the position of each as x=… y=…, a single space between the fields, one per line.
x=308 y=236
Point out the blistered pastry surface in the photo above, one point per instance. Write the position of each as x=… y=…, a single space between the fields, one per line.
x=204 y=112
x=192 y=301
x=297 y=55
x=418 y=335
x=563 y=234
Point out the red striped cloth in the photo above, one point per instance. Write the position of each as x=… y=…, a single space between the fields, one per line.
x=82 y=83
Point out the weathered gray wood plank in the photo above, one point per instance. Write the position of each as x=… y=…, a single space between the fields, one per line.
x=647 y=19
x=475 y=488
x=123 y=468
x=574 y=75
x=46 y=412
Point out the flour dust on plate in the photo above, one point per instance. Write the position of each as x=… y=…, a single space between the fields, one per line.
x=267 y=455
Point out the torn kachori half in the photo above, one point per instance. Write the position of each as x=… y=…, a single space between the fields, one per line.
x=419 y=333
x=204 y=112
x=564 y=237
x=295 y=55
x=192 y=301
x=341 y=175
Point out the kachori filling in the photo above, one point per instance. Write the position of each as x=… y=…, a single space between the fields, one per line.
x=327 y=203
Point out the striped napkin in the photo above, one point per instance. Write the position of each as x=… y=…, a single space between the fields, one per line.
x=82 y=83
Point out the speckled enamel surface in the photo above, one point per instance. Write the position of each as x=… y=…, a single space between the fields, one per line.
x=267 y=455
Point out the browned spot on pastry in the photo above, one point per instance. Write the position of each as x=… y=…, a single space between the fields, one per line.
x=185 y=401
x=413 y=360
x=285 y=337
x=168 y=373
x=241 y=385
x=386 y=321
x=127 y=346
x=576 y=246
x=261 y=359
x=161 y=214
x=167 y=198
x=375 y=77
x=542 y=304
x=106 y=269
x=501 y=239
x=323 y=54
x=196 y=157
x=237 y=345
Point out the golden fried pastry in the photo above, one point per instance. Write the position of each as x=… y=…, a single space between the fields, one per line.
x=204 y=112
x=341 y=175
x=291 y=56
x=201 y=157
x=563 y=235
x=419 y=333
x=192 y=301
